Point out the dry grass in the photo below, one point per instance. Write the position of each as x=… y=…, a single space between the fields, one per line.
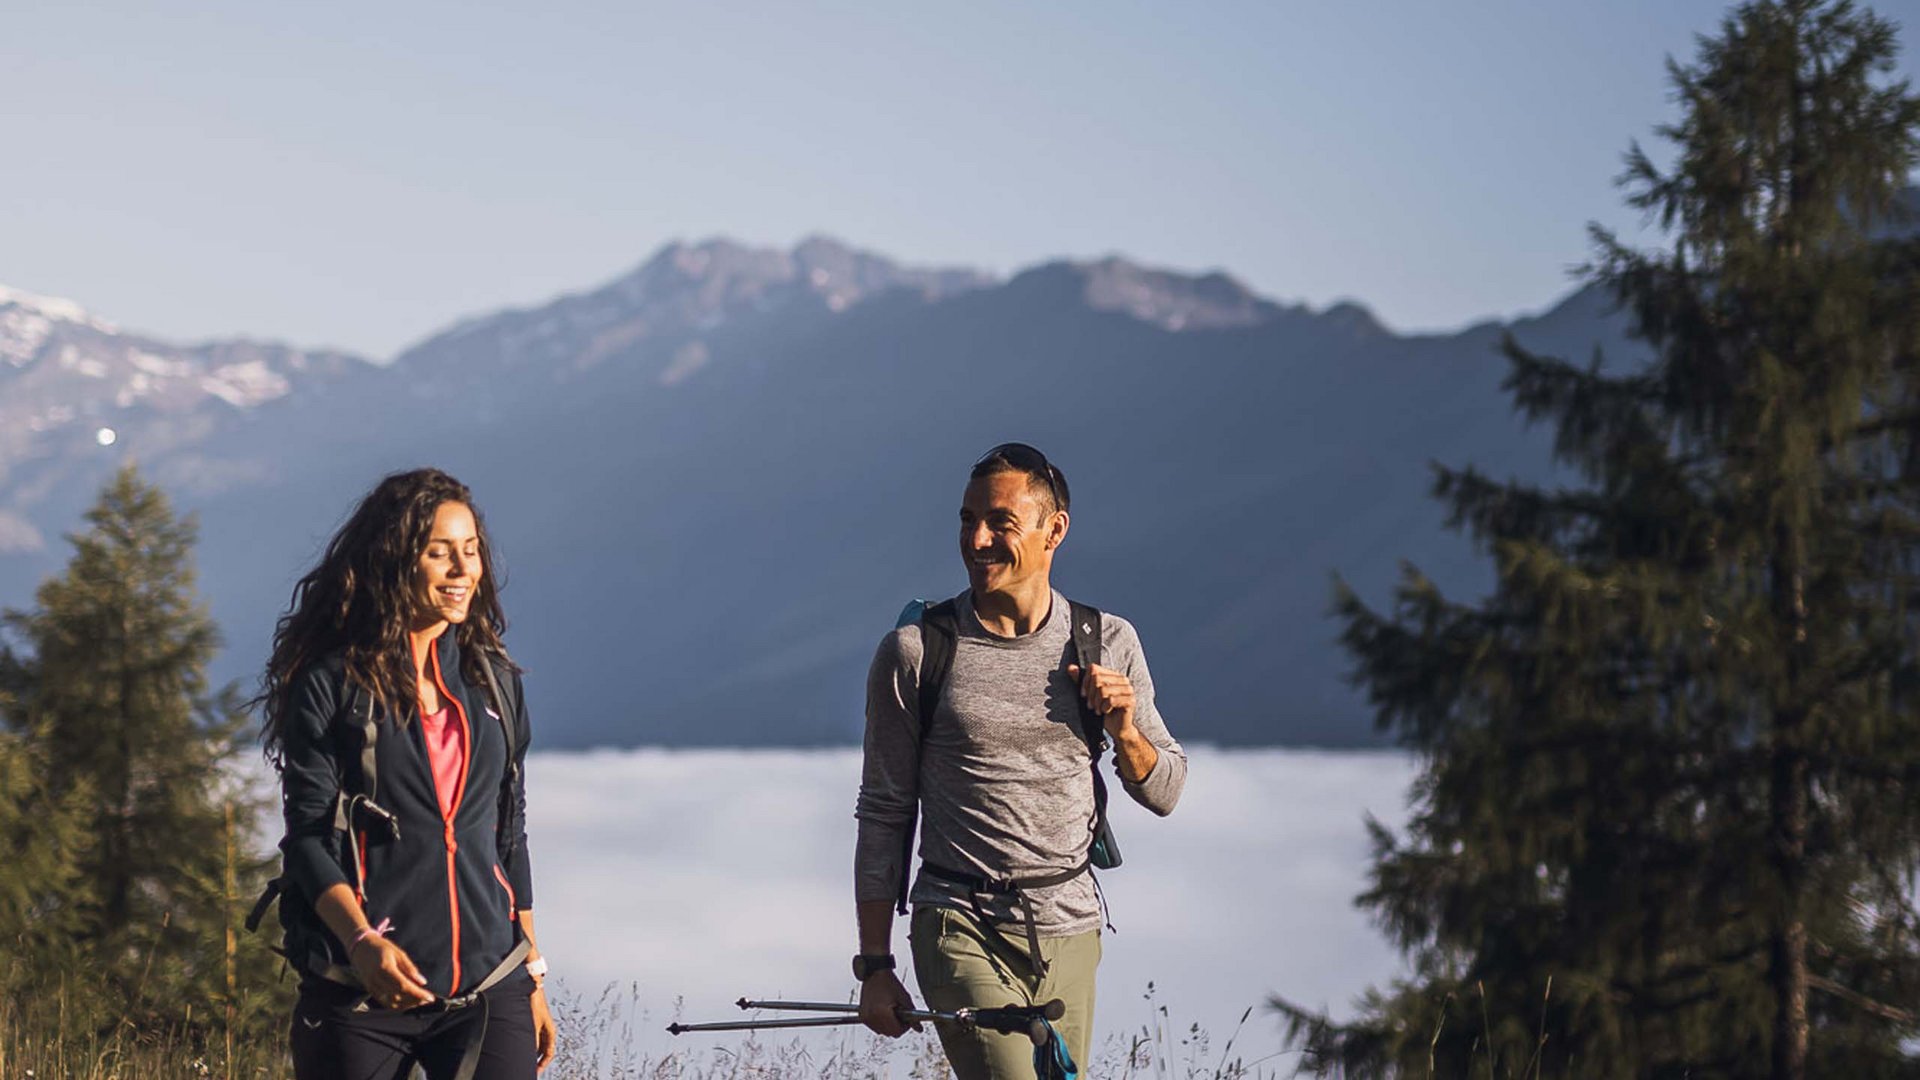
x=50 y=1043
x=598 y=1036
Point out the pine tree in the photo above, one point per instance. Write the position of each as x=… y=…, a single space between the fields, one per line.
x=1668 y=816
x=104 y=680
x=43 y=843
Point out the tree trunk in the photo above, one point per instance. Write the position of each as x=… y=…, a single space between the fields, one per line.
x=1788 y=819
x=1788 y=970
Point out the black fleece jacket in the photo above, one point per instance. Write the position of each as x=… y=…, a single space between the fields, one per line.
x=450 y=890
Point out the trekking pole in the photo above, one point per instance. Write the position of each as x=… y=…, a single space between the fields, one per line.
x=799 y=1006
x=764 y=1025
x=1028 y=1020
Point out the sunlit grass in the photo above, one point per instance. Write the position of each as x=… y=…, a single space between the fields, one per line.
x=598 y=1036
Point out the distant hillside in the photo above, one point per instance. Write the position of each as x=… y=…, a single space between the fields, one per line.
x=716 y=479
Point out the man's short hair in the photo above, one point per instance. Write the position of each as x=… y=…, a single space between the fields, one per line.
x=1044 y=478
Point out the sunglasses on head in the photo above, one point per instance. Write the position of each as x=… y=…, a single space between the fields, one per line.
x=1029 y=459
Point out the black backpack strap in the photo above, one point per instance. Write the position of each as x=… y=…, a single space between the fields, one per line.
x=1105 y=850
x=506 y=707
x=349 y=808
x=360 y=708
x=939 y=637
x=1086 y=651
x=268 y=895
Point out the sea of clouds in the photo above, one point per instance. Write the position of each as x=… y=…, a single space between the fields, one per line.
x=688 y=879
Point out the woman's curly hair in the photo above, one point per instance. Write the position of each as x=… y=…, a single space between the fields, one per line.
x=360 y=600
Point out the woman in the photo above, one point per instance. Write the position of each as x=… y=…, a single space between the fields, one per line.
x=395 y=719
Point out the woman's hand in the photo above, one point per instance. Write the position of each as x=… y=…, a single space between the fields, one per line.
x=388 y=974
x=544 y=1033
x=385 y=970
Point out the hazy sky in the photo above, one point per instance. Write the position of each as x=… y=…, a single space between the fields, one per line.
x=706 y=876
x=360 y=174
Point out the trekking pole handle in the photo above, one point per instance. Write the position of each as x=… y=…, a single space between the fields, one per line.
x=1028 y=1020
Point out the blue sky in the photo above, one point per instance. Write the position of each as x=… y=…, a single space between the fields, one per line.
x=359 y=175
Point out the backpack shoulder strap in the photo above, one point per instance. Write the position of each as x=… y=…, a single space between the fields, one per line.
x=506 y=704
x=939 y=637
x=1086 y=650
x=1104 y=851
x=361 y=704
x=359 y=710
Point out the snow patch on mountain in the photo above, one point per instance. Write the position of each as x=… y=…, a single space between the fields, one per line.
x=28 y=321
x=51 y=307
x=72 y=359
x=160 y=366
x=247 y=384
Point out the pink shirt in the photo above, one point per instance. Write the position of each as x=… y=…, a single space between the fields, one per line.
x=447 y=753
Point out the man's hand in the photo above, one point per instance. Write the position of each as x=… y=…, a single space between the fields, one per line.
x=544 y=1033
x=1109 y=694
x=389 y=974
x=880 y=996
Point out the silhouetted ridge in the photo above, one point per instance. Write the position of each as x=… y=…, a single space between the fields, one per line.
x=718 y=475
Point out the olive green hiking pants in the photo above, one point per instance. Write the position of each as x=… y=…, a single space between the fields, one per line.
x=960 y=966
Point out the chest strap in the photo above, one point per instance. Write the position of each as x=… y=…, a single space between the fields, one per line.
x=1015 y=890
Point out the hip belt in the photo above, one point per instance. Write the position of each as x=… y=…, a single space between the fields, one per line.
x=1015 y=891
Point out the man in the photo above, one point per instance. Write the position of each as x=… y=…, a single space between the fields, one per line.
x=1000 y=775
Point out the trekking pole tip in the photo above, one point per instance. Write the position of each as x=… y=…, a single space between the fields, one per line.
x=743 y=1003
x=675 y=1028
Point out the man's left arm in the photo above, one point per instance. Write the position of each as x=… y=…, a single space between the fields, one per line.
x=1152 y=766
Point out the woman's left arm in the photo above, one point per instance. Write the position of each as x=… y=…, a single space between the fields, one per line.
x=544 y=1033
x=519 y=870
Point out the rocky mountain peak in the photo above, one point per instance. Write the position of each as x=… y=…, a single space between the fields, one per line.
x=1212 y=301
x=28 y=321
x=684 y=291
x=75 y=384
x=722 y=271
x=1178 y=302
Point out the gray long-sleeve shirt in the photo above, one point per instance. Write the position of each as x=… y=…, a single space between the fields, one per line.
x=1002 y=786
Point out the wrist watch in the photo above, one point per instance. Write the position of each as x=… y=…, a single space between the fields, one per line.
x=867 y=965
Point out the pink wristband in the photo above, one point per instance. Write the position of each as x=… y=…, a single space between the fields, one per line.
x=366 y=932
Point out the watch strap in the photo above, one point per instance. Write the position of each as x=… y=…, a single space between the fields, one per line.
x=867 y=965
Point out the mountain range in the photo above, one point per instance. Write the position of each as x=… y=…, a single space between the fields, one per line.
x=714 y=481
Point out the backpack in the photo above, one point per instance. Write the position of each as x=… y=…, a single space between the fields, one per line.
x=939 y=637
x=361 y=808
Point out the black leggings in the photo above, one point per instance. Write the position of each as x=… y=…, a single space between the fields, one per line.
x=333 y=1042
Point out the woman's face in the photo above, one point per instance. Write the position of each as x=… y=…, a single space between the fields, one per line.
x=449 y=570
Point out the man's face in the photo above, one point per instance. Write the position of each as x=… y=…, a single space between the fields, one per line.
x=1007 y=535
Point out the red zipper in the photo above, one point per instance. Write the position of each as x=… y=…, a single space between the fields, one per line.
x=447 y=818
x=513 y=906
